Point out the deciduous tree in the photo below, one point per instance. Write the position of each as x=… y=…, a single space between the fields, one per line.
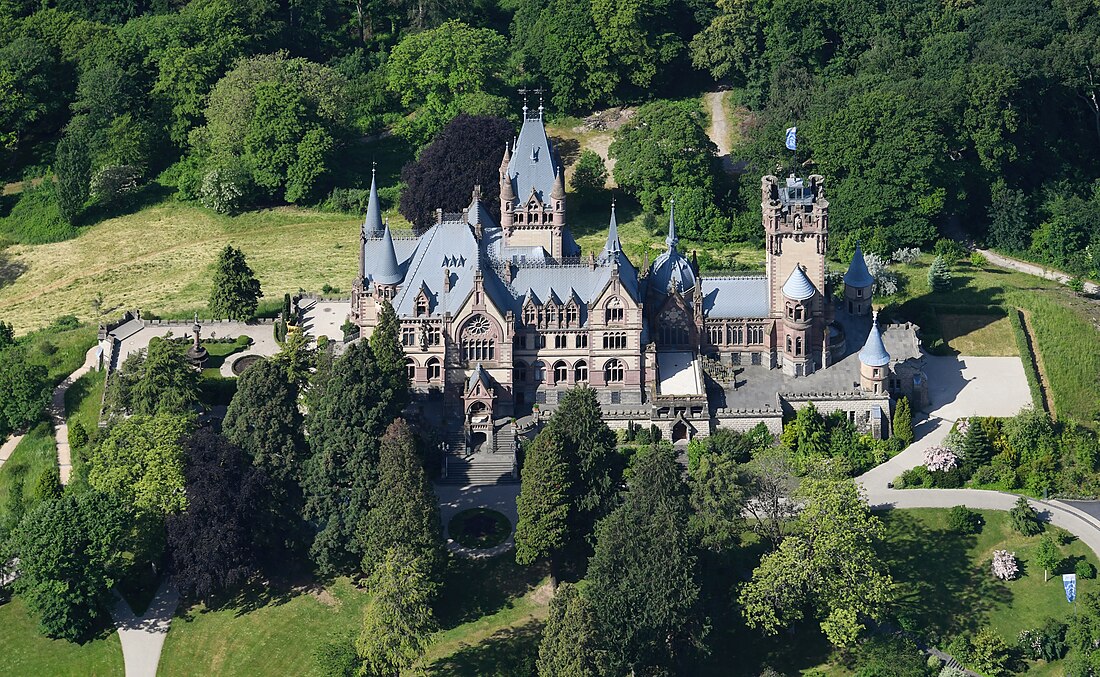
x=141 y=460
x=25 y=387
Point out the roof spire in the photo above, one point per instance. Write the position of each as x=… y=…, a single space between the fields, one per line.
x=613 y=246
x=858 y=275
x=523 y=91
x=874 y=352
x=540 y=102
x=671 y=240
x=372 y=225
x=387 y=270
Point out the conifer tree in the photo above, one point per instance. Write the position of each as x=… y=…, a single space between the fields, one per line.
x=398 y=620
x=236 y=291
x=163 y=382
x=263 y=419
x=642 y=576
x=543 y=504
x=939 y=277
x=390 y=356
x=570 y=645
x=903 y=422
x=404 y=510
x=976 y=450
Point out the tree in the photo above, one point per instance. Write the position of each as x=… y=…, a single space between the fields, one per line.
x=161 y=382
x=989 y=654
x=903 y=422
x=976 y=449
x=642 y=576
x=26 y=390
x=296 y=358
x=731 y=46
x=48 y=486
x=404 y=511
x=7 y=335
x=70 y=556
x=806 y=437
x=385 y=343
x=939 y=277
x=570 y=645
x=1024 y=518
x=771 y=484
x=263 y=419
x=638 y=37
x=215 y=544
x=1009 y=219
x=443 y=71
x=662 y=152
x=827 y=565
x=74 y=174
x=141 y=460
x=235 y=291
x=543 y=504
x=1048 y=556
x=351 y=414
x=398 y=620
x=718 y=502
x=465 y=153
x=589 y=174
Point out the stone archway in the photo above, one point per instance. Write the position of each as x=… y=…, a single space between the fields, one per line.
x=477 y=441
x=679 y=432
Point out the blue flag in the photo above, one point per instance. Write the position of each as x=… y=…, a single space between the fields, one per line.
x=1069 y=582
x=792 y=138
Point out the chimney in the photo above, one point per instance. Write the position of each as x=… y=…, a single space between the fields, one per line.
x=439 y=215
x=508 y=272
x=446 y=279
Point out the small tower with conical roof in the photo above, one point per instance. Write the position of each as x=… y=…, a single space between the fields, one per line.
x=387 y=273
x=874 y=361
x=858 y=284
x=799 y=297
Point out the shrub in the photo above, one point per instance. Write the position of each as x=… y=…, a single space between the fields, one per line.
x=949 y=671
x=986 y=474
x=1084 y=570
x=940 y=459
x=914 y=478
x=224 y=190
x=989 y=654
x=939 y=277
x=961 y=519
x=589 y=174
x=36 y=218
x=951 y=251
x=906 y=255
x=978 y=260
x=696 y=449
x=1046 y=642
x=1004 y=565
x=115 y=183
x=886 y=281
x=1024 y=518
x=643 y=437
x=78 y=435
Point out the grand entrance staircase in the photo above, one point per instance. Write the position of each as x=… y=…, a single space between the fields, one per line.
x=485 y=467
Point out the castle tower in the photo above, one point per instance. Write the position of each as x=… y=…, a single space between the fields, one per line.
x=387 y=275
x=858 y=284
x=799 y=297
x=874 y=361
x=796 y=231
x=532 y=190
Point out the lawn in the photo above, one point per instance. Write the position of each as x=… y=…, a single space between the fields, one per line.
x=36 y=453
x=83 y=400
x=978 y=335
x=61 y=351
x=1064 y=325
x=25 y=652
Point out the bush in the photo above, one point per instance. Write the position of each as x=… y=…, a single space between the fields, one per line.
x=224 y=190
x=1024 y=519
x=914 y=478
x=961 y=519
x=36 y=218
x=115 y=183
x=643 y=437
x=939 y=277
x=1046 y=642
x=986 y=474
x=978 y=260
x=350 y=200
x=949 y=671
x=1084 y=570
x=989 y=653
x=1004 y=565
x=906 y=255
x=951 y=251
x=589 y=174
x=78 y=435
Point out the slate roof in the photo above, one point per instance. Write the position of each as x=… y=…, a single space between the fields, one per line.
x=479 y=375
x=874 y=352
x=533 y=164
x=798 y=287
x=372 y=224
x=671 y=266
x=858 y=275
x=735 y=297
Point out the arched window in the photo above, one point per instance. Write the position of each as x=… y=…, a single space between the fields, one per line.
x=614 y=371
x=580 y=372
x=540 y=372
x=561 y=372
x=435 y=371
x=798 y=312
x=798 y=346
x=788 y=344
x=614 y=311
x=790 y=311
x=478 y=344
x=615 y=340
x=521 y=372
x=410 y=368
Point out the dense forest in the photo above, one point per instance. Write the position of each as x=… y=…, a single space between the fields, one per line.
x=973 y=119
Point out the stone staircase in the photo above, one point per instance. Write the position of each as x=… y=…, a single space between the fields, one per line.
x=485 y=468
x=718 y=372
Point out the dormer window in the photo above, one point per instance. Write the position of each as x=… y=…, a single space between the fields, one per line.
x=571 y=316
x=529 y=315
x=614 y=311
x=421 y=304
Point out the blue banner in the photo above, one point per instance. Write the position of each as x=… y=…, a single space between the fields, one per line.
x=1069 y=582
x=792 y=138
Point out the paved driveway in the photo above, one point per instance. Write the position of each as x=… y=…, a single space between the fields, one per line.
x=962 y=386
x=325 y=318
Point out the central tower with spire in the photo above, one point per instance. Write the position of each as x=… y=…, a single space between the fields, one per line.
x=532 y=190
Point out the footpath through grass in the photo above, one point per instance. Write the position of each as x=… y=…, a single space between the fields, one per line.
x=34 y=455
x=26 y=652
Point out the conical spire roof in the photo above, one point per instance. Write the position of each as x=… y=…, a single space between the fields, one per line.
x=386 y=270
x=874 y=352
x=672 y=240
x=372 y=225
x=858 y=275
x=798 y=287
x=613 y=245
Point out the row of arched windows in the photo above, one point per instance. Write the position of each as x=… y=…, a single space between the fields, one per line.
x=614 y=372
x=434 y=367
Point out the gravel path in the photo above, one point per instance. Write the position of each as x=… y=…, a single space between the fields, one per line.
x=8 y=447
x=1034 y=269
x=719 y=130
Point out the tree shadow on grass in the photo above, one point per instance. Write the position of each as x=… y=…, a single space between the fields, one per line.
x=510 y=652
x=10 y=270
x=939 y=590
x=476 y=588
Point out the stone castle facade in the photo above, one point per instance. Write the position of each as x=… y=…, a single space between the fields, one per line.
x=499 y=319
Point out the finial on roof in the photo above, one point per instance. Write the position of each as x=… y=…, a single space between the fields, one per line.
x=540 y=102
x=523 y=91
x=372 y=224
x=613 y=244
x=558 y=192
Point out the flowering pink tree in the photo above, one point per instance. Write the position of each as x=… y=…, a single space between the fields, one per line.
x=940 y=459
x=1004 y=565
x=961 y=426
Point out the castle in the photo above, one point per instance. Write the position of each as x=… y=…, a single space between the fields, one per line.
x=498 y=320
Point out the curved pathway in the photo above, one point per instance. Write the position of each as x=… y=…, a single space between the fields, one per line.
x=1034 y=269
x=8 y=447
x=932 y=431
x=57 y=413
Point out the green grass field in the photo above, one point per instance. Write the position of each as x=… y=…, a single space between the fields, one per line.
x=25 y=652
x=36 y=453
x=1065 y=326
x=82 y=403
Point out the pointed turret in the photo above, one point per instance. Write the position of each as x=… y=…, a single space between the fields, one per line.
x=874 y=352
x=372 y=225
x=672 y=240
x=558 y=193
x=613 y=245
x=386 y=270
x=858 y=284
